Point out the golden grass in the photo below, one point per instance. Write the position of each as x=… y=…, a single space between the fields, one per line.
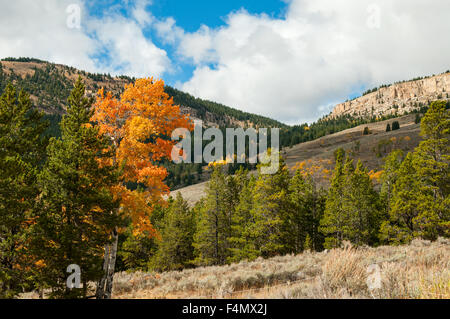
x=418 y=270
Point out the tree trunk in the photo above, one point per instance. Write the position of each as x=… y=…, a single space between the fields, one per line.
x=112 y=265
x=99 y=294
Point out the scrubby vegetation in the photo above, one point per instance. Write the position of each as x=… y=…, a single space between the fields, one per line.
x=417 y=270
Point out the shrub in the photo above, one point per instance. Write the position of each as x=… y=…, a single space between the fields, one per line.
x=366 y=131
x=417 y=119
x=395 y=125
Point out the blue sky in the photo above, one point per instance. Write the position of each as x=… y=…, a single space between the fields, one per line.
x=290 y=60
x=190 y=16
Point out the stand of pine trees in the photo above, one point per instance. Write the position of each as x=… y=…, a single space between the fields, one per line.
x=59 y=201
x=22 y=152
x=246 y=216
x=74 y=217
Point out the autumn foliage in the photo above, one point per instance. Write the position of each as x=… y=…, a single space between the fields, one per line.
x=139 y=125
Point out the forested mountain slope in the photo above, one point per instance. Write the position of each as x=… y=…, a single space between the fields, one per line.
x=49 y=85
x=319 y=153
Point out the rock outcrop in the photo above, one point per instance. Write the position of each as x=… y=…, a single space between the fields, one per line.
x=398 y=98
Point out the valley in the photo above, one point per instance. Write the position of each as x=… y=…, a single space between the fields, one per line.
x=369 y=148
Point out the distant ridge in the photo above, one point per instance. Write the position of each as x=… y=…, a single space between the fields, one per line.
x=49 y=85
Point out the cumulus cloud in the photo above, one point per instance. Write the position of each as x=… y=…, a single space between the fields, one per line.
x=140 y=12
x=296 y=68
x=293 y=68
x=168 y=31
x=129 y=51
x=39 y=29
x=111 y=43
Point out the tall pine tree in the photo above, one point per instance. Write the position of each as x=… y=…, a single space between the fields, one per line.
x=243 y=239
x=389 y=176
x=75 y=218
x=362 y=204
x=420 y=205
x=213 y=223
x=306 y=210
x=433 y=167
x=352 y=207
x=270 y=209
x=404 y=205
x=175 y=250
x=335 y=217
x=22 y=150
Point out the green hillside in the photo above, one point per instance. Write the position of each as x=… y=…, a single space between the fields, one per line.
x=49 y=85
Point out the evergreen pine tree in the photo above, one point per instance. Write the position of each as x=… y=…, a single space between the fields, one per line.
x=306 y=210
x=417 y=119
x=175 y=250
x=352 y=207
x=362 y=203
x=243 y=239
x=432 y=165
x=213 y=223
x=420 y=205
x=76 y=204
x=391 y=165
x=404 y=205
x=270 y=209
x=22 y=150
x=335 y=217
x=395 y=125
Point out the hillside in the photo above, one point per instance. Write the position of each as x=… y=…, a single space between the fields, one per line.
x=369 y=148
x=49 y=85
x=398 y=98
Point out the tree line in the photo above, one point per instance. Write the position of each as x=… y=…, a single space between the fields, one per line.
x=245 y=216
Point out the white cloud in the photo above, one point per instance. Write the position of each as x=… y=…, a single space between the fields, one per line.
x=141 y=14
x=168 y=31
x=39 y=29
x=130 y=52
x=294 y=69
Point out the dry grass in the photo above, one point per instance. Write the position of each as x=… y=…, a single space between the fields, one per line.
x=419 y=270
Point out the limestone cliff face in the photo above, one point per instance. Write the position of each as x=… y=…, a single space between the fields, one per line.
x=399 y=97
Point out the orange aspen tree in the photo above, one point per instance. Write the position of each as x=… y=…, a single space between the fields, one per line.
x=139 y=125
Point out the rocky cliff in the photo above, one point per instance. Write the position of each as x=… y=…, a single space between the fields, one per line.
x=398 y=98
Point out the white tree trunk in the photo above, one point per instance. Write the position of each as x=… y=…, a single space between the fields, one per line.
x=112 y=265
x=104 y=286
x=101 y=283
